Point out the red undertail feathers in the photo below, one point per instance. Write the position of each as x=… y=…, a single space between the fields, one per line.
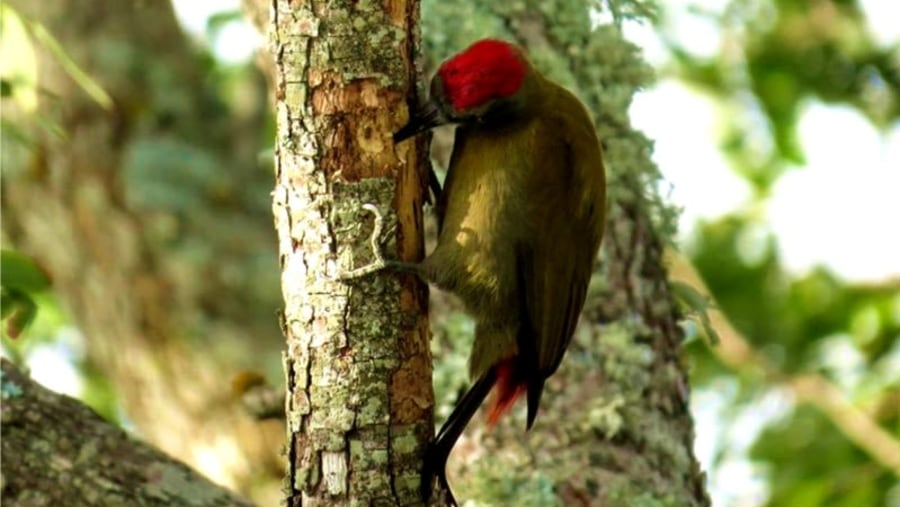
x=507 y=389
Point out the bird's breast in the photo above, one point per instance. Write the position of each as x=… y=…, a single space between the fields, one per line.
x=483 y=219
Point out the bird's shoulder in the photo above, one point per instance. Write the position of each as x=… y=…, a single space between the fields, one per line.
x=566 y=120
x=565 y=145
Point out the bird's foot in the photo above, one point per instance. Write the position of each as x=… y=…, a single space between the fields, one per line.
x=376 y=241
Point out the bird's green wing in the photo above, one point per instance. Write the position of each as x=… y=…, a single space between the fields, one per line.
x=554 y=264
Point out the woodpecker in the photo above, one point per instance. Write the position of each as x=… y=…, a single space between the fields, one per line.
x=521 y=217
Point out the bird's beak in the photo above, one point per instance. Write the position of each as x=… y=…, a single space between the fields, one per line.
x=427 y=117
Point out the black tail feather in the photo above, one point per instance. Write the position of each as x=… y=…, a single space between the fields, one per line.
x=435 y=463
x=535 y=389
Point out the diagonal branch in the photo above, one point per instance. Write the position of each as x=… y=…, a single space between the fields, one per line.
x=57 y=451
x=734 y=351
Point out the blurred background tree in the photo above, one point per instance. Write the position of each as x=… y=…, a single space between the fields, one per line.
x=776 y=129
x=130 y=176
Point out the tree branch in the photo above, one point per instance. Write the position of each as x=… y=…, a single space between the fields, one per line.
x=57 y=451
x=735 y=351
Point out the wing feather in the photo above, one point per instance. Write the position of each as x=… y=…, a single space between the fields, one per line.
x=554 y=264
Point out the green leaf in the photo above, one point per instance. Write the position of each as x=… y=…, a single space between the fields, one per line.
x=21 y=273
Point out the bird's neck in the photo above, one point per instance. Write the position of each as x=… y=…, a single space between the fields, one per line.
x=516 y=109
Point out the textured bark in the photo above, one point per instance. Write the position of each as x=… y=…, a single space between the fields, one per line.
x=57 y=451
x=653 y=446
x=155 y=321
x=359 y=406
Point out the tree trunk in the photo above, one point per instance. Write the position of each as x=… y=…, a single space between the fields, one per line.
x=115 y=211
x=57 y=451
x=358 y=362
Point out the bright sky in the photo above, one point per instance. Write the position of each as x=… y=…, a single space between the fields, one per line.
x=836 y=211
x=237 y=41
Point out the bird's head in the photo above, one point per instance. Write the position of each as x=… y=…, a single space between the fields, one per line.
x=477 y=84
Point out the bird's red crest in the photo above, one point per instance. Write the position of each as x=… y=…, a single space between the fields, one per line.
x=489 y=69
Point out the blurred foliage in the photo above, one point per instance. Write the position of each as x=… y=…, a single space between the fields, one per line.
x=189 y=170
x=775 y=57
x=812 y=323
x=19 y=75
x=28 y=304
x=22 y=279
x=833 y=473
x=778 y=54
x=792 y=317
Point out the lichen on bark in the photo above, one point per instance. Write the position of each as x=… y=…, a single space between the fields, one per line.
x=357 y=360
x=57 y=451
